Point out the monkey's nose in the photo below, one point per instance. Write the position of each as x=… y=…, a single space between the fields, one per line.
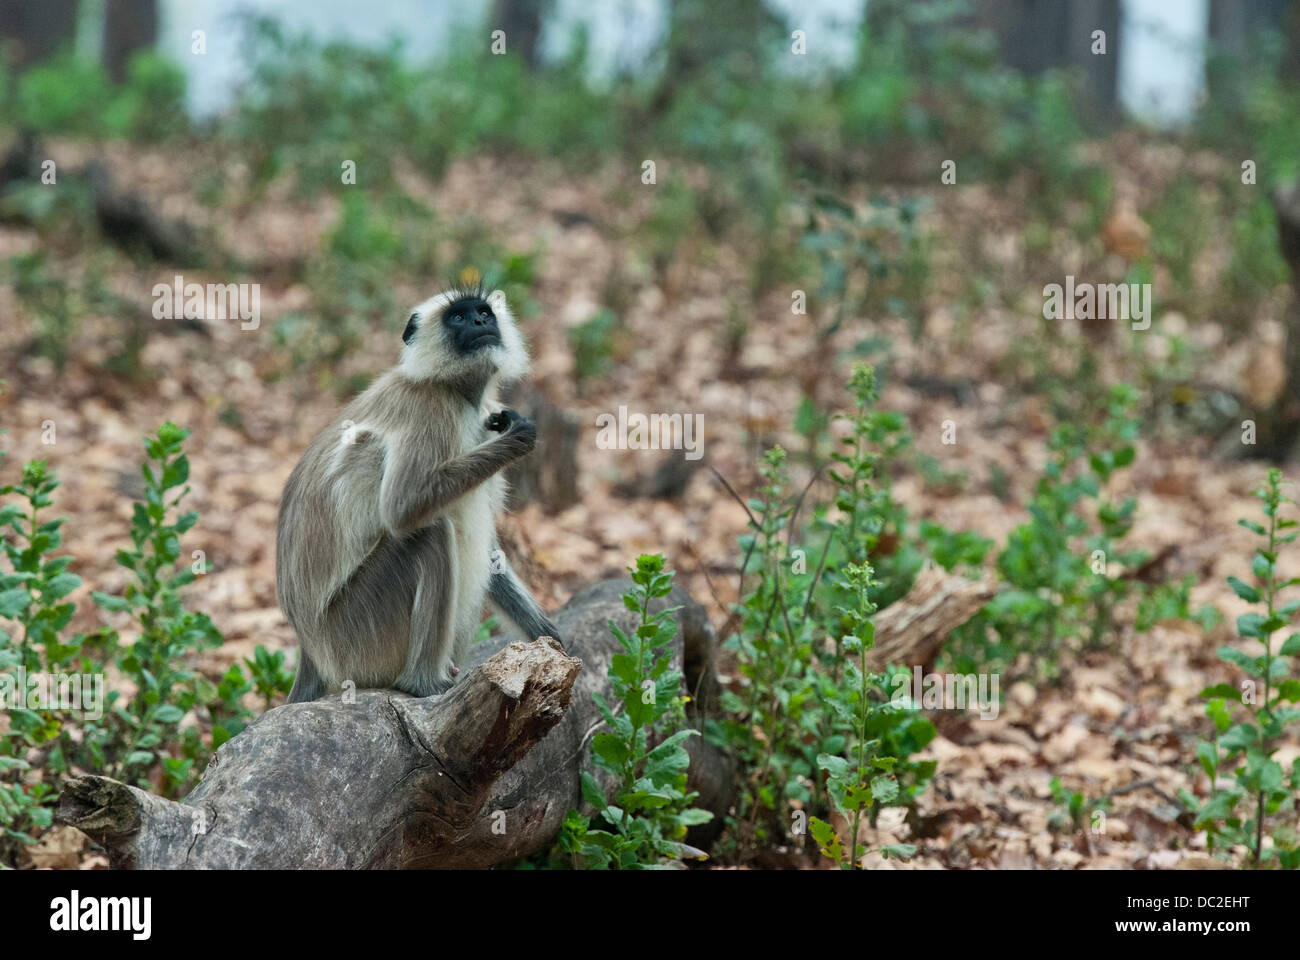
x=485 y=327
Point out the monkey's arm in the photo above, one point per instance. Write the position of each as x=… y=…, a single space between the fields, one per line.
x=509 y=595
x=410 y=496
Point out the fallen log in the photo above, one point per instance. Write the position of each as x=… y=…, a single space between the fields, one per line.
x=479 y=776
x=385 y=781
x=910 y=631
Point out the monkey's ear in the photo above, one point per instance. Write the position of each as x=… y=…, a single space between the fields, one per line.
x=411 y=326
x=497 y=299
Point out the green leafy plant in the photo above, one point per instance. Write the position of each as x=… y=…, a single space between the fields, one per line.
x=1073 y=808
x=871 y=261
x=1060 y=573
x=32 y=596
x=150 y=105
x=55 y=309
x=865 y=777
x=593 y=345
x=139 y=737
x=1243 y=749
x=804 y=700
x=269 y=676
x=66 y=94
x=646 y=817
x=168 y=689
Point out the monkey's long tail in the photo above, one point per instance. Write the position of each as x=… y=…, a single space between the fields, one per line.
x=307 y=684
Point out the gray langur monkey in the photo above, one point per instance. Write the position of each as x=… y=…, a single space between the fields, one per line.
x=386 y=548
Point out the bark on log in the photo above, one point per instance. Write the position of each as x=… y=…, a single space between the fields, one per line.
x=910 y=631
x=480 y=776
x=387 y=781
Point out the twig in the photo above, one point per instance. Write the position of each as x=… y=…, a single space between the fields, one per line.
x=794 y=515
x=758 y=528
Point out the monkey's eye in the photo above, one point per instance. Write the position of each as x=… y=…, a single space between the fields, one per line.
x=485 y=312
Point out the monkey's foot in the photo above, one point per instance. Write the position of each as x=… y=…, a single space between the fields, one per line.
x=424 y=687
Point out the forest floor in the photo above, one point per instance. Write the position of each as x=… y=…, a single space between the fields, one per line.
x=1122 y=722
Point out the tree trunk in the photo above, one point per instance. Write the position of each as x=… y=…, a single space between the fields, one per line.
x=129 y=25
x=522 y=22
x=910 y=631
x=37 y=29
x=1232 y=30
x=1278 y=428
x=1038 y=35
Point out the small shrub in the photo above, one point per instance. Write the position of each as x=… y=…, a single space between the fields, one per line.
x=864 y=779
x=593 y=345
x=646 y=818
x=1243 y=749
x=1060 y=585
x=139 y=738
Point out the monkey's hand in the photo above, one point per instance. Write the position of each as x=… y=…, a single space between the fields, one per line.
x=514 y=429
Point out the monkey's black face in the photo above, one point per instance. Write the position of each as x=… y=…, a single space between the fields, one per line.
x=471 y=325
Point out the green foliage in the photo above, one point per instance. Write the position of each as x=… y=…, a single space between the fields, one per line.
x=1058 y=586
x=32 y=597
x=350 y=284
x=1179 y=228
x=807 y=701
x=308 y=106
x=857 y=783
x=71 y=95
x=168 y=689
x=1074 y=808
x=871 y=524
x=53 y=306
x=33 y=594
x=66 y=94
x=774 y=646
x=269 y=676
x=1255 y=267
x=672 y=218
x=150 y=105
x=871 y=262
x=593 y=345
x=646 y=818
x=141 y=738
x=1251 y=109
x=1243 y=749
x=923 y=76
